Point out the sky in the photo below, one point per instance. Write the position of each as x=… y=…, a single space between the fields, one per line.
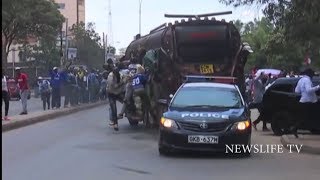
x=125 y=15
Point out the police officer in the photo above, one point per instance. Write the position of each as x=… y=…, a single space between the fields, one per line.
x=307 y=100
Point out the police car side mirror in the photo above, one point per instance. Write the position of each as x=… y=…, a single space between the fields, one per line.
x=164 y=102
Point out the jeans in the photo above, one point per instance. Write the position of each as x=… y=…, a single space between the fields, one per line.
x=45 y=97
x=24 y=98
x=113 y=108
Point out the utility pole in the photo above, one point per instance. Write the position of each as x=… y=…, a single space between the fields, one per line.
x=61 y=44
x=140 y=2
x=104 y=48
x=66 y=52
x=77 y=12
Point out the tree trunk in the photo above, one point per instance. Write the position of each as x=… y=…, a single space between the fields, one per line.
x=4 y=61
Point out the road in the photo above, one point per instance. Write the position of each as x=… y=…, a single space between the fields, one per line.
x=81 y=146
x=34 y=105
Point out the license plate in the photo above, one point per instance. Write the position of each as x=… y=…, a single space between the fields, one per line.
x=203 y=139
x=206 y=69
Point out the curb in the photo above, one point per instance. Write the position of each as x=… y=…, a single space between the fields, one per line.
x=49 y=116
x=305 y=148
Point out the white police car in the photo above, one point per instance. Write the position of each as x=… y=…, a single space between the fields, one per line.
x=205 y=116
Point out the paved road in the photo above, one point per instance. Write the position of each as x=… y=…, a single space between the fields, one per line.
x=81 y=146
x=34 y=105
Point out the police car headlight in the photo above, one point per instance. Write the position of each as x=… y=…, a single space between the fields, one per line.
x=168 y=123
x=242 y=125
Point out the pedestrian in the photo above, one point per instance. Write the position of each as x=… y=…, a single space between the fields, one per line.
x=5 y=97
x=68 y=89
x=92 y=86
x=45 y=91
x=249 y=82
x=56 y=79
x=114 y=90
x=139 y=81
x=259 y=85
x=22 y=80
x=308 y=100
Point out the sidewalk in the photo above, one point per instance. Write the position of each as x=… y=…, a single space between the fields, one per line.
x=39 y=116
x=311 y=143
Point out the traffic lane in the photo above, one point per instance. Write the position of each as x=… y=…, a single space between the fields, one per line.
x=34 y=105
x=82 y=146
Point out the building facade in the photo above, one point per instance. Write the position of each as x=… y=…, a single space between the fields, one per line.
x=69 y=10
x=73 y=10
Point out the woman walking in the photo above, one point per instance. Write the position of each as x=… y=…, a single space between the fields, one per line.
x=5 y=97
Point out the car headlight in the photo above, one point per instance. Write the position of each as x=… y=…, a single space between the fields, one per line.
x=242 y=125
x=168 y=123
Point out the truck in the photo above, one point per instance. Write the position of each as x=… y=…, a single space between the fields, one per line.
x=192 y=47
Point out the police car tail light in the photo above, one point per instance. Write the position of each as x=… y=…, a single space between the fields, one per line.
x=168 y=123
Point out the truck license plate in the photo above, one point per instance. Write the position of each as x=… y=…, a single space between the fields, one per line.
x=203 y=139
x=206 y=69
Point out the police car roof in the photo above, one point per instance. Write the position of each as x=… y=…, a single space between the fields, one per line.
x=209 y=84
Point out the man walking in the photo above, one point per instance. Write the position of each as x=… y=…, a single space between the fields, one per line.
x=307 y=100
x=22 y=80
x=56 y=88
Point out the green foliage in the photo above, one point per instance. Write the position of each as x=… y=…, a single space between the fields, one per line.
x=294 y=32
x=87 y=41
x=28 y=18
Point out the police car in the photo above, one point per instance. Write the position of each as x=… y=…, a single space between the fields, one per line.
x=205 y=116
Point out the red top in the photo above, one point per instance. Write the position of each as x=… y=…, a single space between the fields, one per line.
x=23 y=81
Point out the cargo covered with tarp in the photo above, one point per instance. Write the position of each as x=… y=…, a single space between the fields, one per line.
x=150 y=60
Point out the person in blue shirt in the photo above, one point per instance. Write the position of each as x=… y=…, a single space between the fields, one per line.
x=56 y=81
x=139 y=81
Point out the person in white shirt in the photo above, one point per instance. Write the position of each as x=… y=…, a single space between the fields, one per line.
x=308 y=97
x=5 y=97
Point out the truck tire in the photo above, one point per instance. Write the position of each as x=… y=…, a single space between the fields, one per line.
x=132 y=122
x=281 y=122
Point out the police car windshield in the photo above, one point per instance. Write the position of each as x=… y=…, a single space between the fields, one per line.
x=207 y=97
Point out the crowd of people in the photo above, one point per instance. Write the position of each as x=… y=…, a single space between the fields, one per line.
x=257 y=85
x=79 y=87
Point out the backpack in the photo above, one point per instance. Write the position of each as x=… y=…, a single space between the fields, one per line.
x=45 y=86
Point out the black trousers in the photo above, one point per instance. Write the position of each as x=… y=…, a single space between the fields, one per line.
x=6 y=98
x=261 y=116
x=307 y=113
x=45 y=97
x=56 y=98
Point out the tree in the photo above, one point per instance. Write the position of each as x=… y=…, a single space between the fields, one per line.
x=28 y=18
x=87 y=41
x=296 y=25
x=122 y=51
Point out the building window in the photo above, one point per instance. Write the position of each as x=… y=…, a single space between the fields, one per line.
x=81 y=2
x=61 y=5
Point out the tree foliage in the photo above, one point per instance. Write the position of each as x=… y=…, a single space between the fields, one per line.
x=28 y=18
x=294 y=33
x=87 y=41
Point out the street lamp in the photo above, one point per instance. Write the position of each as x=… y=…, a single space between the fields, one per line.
x=140 y=2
